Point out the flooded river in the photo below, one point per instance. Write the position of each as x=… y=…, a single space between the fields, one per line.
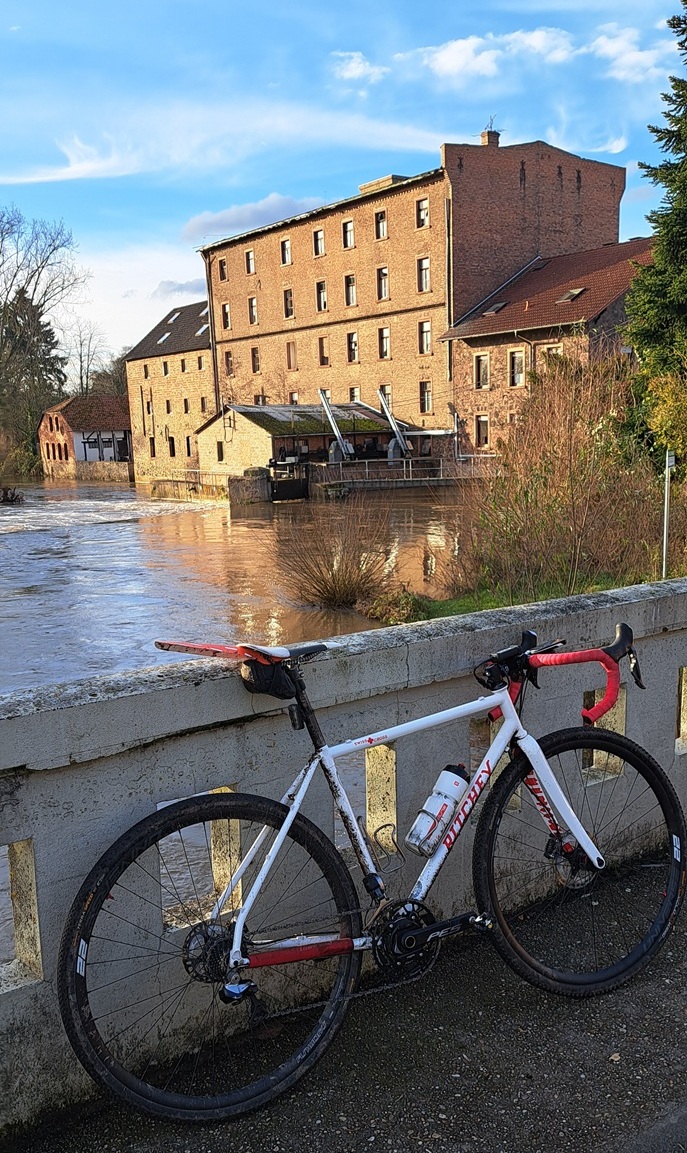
x=90 y=576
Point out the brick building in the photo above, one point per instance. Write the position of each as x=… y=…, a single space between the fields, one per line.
x=353 y=297
x=171 y=391
x=572 y=303
x=86 y=438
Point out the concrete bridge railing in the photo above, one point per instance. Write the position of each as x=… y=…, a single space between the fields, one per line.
x=79 y=764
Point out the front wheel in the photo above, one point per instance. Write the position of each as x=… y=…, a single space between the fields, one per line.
x=143 y=966
x=558 y=921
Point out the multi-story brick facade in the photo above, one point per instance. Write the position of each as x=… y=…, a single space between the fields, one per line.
x=352 y=297
x=171 y=392
x=573 y=304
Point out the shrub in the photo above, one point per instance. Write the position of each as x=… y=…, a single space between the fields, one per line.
x=345 y=558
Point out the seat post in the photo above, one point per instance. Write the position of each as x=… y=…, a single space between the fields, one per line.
x=307 y=711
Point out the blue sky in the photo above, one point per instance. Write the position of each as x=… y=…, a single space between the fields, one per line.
x=151 y=128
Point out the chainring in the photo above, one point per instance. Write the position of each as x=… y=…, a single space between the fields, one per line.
x=393 y=960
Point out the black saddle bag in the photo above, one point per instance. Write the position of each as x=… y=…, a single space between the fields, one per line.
x=272 y=679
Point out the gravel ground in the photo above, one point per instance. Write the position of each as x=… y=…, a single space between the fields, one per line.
x=470 y=1058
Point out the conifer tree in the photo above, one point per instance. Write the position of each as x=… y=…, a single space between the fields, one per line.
x=657 y=301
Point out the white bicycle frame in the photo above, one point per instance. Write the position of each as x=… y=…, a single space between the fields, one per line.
x=548 y=795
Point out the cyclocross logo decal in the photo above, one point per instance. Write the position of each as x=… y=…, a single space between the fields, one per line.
x=468 y=804
x=676 y=847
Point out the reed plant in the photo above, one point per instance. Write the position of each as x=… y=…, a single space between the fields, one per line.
x=346 y=556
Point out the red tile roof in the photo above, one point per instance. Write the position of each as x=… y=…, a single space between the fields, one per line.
x=530 y=299
x=95 y=413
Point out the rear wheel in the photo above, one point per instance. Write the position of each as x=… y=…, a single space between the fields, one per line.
x=141 y=966
x=558 y=921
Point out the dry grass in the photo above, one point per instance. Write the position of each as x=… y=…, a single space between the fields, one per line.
x=346 y=556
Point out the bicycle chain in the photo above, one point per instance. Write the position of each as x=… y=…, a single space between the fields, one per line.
x=359 y=993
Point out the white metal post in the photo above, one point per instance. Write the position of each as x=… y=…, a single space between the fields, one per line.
x=670 y=464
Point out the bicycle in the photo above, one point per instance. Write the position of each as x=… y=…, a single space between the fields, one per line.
x=210 y=956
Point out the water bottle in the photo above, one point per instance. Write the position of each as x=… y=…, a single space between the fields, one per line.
x=438 y=811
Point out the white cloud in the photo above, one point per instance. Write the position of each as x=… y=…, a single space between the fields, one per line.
x=459 y=61
x=122 y=288
x=626 y=60
x=167 y=288
x=244 y=217
x=189 y=137
x=355 y=66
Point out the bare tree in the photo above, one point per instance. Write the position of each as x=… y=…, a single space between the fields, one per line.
x=38 y=274
x=86 y=354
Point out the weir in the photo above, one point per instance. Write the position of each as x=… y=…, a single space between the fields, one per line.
x=80 y=763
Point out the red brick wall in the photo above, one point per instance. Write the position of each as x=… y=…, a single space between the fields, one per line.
x=510 y=204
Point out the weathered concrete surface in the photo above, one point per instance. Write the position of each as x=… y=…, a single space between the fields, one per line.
x=79 y=764
x=468 y=1059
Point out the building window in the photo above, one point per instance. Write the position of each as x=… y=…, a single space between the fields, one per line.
x=383 y=343
x=229 y=362
x=183 y=365
x=152 y=446
x=424 y=336
x=188 y=446
x=226 y=316
x=145 y=372
x=149 y=407
x=59 y=452
x=349 y=289
x=385 y=390
x=186 y=404
x=288 y=302
x=293 y=398
x=168 y=406
x=201 y=362
x=66 y=453
x=382 y=283
x=321 y=295
x=57 y=425
x=286 y=251
x=318 y=242
x=354 y=393
x=352 y=347
x=255 y=359
x=422 y=213
x=552 y=349
x=516 y=368
x=481 y=431
x=425 y=396
x=203 y=404
x=50 y=423
x=172 y=447
x=512 y=418
x=250 y=261
x=323 y=350
x=252 y=310
x=165 y=368
x=423 y=274
x=220 y=451
x=482 y=370
x=380 y=225
x=260 y=398
x=222 y=268
x=327 y=393
x=291 y=361
x=347 y=234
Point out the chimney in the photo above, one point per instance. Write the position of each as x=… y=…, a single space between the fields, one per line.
x=490 y=138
